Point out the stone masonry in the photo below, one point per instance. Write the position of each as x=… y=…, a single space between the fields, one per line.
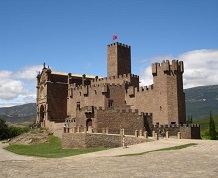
x=116 y=101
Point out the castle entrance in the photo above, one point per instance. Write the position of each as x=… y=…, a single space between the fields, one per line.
x=88 y=123
x=42 y=111
x=148 y=124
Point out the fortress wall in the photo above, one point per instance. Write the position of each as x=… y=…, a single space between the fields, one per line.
x=191 y=131
x=120 y=79
x=165 y=98
x=115 y=120
x=117 y=94
x=81 y=119
x=56 y=97
x=87 y=96
x=96 y=95
x=141 y=99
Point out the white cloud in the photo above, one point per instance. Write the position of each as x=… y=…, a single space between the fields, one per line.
x=200 y=68
x=18 y=87
x=28 y=72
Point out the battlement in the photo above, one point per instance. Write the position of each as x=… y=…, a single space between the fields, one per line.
x=145 y=88
x=121 y=110
x=165 y=66
x=132 y=90
x=115 y=79
x=177 y=125
x=119 y=44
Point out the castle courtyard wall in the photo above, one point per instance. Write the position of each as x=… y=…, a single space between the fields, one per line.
x=82 y=140
x=117 y=119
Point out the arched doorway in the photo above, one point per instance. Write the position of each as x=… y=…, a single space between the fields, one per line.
x=42 y=115
x=88 y=123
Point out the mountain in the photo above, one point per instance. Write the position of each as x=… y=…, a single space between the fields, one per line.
x=200 y=100
x=19 y=114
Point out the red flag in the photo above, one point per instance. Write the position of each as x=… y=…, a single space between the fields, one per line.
x=114 y=37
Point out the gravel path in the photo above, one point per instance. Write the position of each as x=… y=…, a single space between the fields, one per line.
x=195 y=161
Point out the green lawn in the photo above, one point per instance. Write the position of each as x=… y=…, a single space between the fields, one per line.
x=52 y=149
x=204 y=125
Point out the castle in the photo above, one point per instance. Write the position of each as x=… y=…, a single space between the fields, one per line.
x=116 y=101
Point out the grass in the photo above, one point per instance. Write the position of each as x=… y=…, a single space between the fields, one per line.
x=163 y=149
x=52 y=149
x=204 y=125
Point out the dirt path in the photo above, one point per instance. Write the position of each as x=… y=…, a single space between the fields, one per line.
x=196 y=161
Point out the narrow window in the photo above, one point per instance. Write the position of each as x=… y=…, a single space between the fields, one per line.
x=110 y=103
x=78 y=105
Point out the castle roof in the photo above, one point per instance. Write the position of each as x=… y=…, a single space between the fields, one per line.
x=73 y=75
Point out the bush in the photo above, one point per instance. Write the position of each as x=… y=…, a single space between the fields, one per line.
x=4 y=133
x=10 y=132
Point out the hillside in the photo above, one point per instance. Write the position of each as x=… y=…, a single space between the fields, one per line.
x=19 y=114
x=200 y=100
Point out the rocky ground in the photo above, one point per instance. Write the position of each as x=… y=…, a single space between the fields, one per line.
x=34 y=136
x=200 y=160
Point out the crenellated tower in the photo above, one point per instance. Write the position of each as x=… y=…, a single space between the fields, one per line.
x=118 y=59
x=169 y=96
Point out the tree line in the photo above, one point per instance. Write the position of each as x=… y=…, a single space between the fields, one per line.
x=7 y=132
x=211 y=132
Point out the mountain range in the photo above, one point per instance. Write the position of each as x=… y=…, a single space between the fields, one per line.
x=199 y=102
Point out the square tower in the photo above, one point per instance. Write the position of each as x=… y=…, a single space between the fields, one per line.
x=118 y=59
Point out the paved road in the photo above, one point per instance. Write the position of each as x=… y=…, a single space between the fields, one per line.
x=196 y=161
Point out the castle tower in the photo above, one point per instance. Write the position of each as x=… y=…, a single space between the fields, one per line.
x=169 y=96
x=118 y=59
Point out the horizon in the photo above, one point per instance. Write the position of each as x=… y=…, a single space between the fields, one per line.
x=73 y=37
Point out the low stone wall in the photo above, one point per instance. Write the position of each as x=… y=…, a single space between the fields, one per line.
x=94 y=140
x=187 y=131
x=190 y=132
x=172 y=131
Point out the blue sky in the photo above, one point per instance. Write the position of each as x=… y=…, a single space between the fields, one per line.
x=72 y=36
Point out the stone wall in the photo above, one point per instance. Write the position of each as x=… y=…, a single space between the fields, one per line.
x=117 y=119
x=57 y=102
x=55 y=128
x=191 y=132
x=82 y=140
x=187 y=131
x=165 y=99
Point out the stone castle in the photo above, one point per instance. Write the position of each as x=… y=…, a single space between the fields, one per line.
x=116 y=101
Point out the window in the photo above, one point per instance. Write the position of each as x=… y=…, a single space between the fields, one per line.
x=78 y=105
x=110 y=103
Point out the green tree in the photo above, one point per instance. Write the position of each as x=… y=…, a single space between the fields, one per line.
x=212 y=129
x=3 y=130
x=189 y=121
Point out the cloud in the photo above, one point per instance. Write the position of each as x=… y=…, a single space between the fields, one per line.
x=28 y=72
x=200 y=68
x=18 y=87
